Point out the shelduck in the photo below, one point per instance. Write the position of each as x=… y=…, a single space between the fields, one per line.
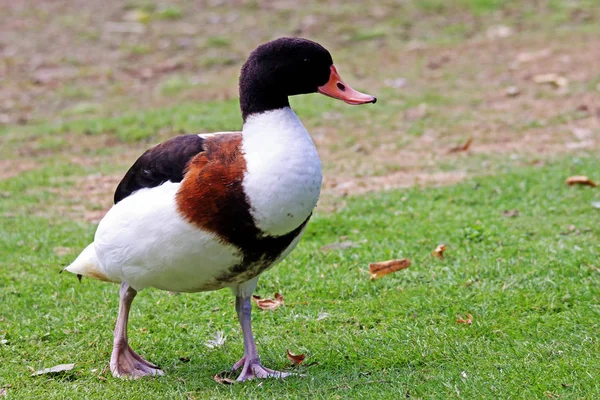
x=210 y=211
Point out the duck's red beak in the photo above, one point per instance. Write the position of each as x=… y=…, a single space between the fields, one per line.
x=337 y=89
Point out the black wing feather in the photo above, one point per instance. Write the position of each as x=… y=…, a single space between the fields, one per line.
x=164 y=162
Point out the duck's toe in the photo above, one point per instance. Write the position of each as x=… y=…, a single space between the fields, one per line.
x=126 y=363
x=254 y=369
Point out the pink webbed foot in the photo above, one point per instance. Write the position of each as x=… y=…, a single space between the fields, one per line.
x=126 y=363
x=254 y=369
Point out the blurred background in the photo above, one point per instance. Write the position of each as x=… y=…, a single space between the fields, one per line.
x=95 y=82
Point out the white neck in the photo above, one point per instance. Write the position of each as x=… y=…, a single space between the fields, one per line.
x=283 y=176
x=275 y=123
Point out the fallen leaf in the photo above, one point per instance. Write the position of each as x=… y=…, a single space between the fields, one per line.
x=54 y=370
x=439 y=251
x=2 y=392
x=555 y=80
x=469 y=319
x=168 y=66
x=439 y=62
x=218 y=341
x=224 y=378
x=463 y=147
x=268 y=304
x=359 y=148
x=383 y=268
x=580 y=180
x=184 y=359
x=338 y=245
x=296 y=359
x=511 y=213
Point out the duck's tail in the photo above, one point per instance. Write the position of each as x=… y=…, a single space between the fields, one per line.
x=87 y=264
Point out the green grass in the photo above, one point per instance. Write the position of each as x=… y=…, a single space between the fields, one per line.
x=528 y=281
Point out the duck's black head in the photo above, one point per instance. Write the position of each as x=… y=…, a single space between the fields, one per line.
x=287 y=67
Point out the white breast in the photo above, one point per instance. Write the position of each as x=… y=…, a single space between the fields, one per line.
x=283 y=177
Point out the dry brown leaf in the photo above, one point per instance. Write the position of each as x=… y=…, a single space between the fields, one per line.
x=439 y=251
x=379 y=269
x=580 y=180
x=463 y=147
x=469 y=319
x=54 y=370
x=555 y=80
x=268 y=304
x=224 y=378
x=296 y=359
x=511 y=213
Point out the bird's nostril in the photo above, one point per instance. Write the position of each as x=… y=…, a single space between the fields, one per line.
x=341 y=86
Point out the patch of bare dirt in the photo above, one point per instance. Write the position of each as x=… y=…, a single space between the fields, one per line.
x=96 y=193
x=87 y=199
x=10 y=168
x=396 y=180
x=433 y=97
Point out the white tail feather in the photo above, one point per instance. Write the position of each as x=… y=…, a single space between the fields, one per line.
x=86 y=264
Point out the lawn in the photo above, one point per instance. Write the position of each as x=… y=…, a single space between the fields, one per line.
x=523 y=248
x=529 y=278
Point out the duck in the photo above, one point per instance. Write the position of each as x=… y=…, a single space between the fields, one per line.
x=203 y=212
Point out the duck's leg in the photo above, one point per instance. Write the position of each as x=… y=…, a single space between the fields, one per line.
x=252 y=368
x=124 y=362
